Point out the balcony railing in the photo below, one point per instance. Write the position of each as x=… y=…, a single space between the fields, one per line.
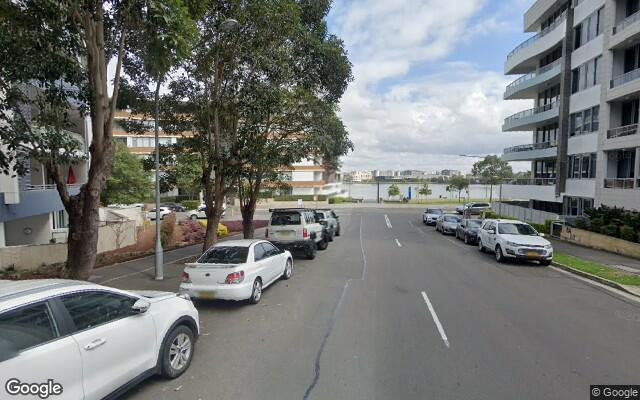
x=622 y=131
x=530 y=147
x=532 y=111
x=539 y=35
x=624 y=78
x=533 y=181
x=626 y=22
x=48 y=187
x=514 y=85
x=619 y=183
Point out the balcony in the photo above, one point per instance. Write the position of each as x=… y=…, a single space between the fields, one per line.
x=619 y=183
x=625 y=31
x=529 y=119
x=527 y=86
x=622 y=131
x=542 y=189
x=625 y=78
x=524 y=57
x=531 y=151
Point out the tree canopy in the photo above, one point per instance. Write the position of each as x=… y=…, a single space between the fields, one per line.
x=129 y=182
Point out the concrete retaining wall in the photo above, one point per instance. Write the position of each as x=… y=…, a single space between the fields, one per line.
x=523 y=213
x=600 y=242
x=32 y=257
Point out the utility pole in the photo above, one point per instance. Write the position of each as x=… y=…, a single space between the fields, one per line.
x=158 y=254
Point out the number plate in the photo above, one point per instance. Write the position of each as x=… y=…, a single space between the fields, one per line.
x=207 y=295
x=285 y=233
x=533 y=254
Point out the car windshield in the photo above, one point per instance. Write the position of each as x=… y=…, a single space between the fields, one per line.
x=473 y=223
x=435 y=211
x=285 y=218
x=451 y=218
x=225 y=255
x=516 y=229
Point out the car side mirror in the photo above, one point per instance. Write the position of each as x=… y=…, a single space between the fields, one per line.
x=491 y=232
x=140 y=306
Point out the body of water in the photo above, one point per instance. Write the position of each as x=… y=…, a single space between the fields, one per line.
x=368 y=191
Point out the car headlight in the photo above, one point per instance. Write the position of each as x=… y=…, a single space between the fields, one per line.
x=513 y=244
x=548 y=247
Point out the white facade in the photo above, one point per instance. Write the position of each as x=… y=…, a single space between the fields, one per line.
x=581 y=70
x=361 y=176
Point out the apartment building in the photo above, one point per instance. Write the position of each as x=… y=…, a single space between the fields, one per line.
x=31 y=212
x=143 y=144
x=361 y=176
x=310 y=177
x=581 y=68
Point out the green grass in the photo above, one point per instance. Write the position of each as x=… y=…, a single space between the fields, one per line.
x=597 y=269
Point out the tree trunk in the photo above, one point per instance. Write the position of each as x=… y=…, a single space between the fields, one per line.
x=82 y=242
x=248 y=211
x=491 y=193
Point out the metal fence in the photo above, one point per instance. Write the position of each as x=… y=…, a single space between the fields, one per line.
x=523 y=213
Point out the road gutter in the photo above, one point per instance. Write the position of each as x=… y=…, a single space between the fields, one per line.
x=596 y=278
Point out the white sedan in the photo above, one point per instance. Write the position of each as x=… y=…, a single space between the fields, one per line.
x=151 y=214
x=236 y=270
x=90 y=342
x=200 y=212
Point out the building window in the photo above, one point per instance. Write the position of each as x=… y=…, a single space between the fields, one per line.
x=585 y=76
x=582 y=166
x=585 y=121
x=588 y=29
x=60 y=219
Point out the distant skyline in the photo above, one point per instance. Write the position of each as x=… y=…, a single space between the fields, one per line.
x=428 y=81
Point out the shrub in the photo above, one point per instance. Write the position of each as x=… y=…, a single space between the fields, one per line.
x=597 y=224
x=192 y=231
x=167 y=227
x=610 y=230
x=491 y=215
x=339 y=200
x=628 y=233
x=581 y=223
x=191 y=204
x=222 y=230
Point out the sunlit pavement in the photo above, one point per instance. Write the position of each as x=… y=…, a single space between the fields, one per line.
x=394 y=310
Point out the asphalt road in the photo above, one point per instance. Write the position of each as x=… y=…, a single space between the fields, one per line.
x=397 y=311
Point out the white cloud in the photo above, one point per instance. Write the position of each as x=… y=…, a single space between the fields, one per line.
x=398 y=118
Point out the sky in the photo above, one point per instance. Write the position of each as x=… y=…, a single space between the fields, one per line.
x=428 y=81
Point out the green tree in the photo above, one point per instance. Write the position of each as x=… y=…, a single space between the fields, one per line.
x=188 y=173
x=492 y=170
x=65 y=47
x=129 y=182
x=459 y=183
x=425 y=190
x=393 y=190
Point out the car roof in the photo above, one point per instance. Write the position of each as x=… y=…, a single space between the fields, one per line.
x=511 y=221
x=239 y=242
x=12 y=292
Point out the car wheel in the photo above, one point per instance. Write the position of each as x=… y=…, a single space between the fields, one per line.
x=499 y=255
x=331 y=236
x=546 y=263
x=288 y=270
x=193 y=217
x=311 y=251
x=324 y=243
x=466 y=239
x=256 y=293
x=481 y=246
x=177 y=352
x=338 y=231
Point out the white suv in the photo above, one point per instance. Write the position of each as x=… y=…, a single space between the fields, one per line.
x=297 y=230
x=91 y=342
x=510 y=239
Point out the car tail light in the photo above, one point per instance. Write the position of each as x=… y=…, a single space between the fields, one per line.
x=235 y=277
x=305 y=233
x=185 y=278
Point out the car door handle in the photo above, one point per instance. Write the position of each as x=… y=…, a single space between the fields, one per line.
x=95 y=344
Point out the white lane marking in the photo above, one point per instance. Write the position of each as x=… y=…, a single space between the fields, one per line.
x=364 y=258
x=398 y=243
x=435 y=319
x=386 y=219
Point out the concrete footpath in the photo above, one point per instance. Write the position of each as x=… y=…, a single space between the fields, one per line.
x=603 y=257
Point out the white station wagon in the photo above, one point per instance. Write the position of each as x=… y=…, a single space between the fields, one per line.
x=90 y=342
x=236 y=270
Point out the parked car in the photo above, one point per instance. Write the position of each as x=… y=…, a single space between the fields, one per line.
x=236 y=270
x=200 y=212
x=510 y=239
x=467 y=230
x=174 y=207
x=447 y=223
x=329 y=219
x=94 y=341
x=430 y=215
x=151 y=214
x=474 y=208
x=296 y=230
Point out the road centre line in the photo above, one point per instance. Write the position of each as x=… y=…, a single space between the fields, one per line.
x=435 y=319
x=398 y=243
x=386 y=219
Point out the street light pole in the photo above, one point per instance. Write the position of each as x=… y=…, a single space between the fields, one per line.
x=159 y=262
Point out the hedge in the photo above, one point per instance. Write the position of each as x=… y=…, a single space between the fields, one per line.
x=338 y=200
x=191 y=204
